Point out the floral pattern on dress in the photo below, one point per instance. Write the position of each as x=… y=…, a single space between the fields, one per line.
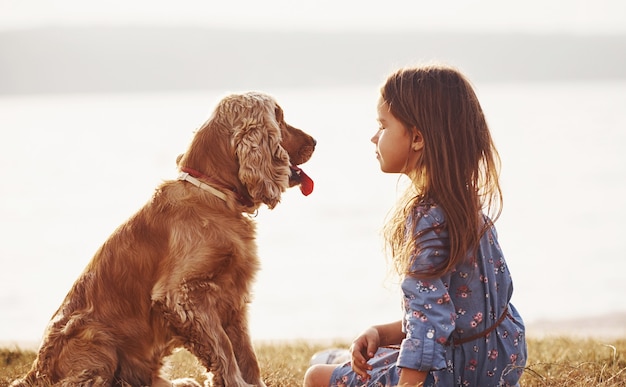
x=464 y=302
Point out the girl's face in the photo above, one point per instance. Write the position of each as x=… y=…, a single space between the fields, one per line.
x=397 y=149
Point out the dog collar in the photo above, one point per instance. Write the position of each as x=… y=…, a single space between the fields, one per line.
x=192 y=175
x=187 y=177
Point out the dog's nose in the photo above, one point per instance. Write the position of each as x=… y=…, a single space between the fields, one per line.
x=314 y=141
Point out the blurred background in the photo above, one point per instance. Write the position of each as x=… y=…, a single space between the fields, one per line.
x=98 y=98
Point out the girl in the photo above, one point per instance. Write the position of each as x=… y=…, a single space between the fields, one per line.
x=458 y=327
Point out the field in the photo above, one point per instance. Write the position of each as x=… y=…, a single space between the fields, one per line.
x=553 y=361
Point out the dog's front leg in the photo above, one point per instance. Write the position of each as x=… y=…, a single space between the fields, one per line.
x=192 y=314
x=239 y=336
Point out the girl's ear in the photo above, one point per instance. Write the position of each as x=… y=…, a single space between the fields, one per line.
x=418 y=141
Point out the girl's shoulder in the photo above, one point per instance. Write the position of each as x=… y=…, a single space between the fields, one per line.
x=427 y=210
x=427 y=216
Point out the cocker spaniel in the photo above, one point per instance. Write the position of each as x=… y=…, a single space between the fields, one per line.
x=178 y=273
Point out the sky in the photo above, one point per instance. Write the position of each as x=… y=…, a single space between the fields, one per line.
x=584 y=17
x=533 y=16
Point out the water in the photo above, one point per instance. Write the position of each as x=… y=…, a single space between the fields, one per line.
x=75 y=166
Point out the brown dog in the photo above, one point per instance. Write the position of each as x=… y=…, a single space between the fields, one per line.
x=179 y=272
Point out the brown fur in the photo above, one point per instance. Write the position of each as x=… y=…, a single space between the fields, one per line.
x=179 y=272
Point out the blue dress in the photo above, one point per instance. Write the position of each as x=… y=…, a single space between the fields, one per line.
x=440 y=315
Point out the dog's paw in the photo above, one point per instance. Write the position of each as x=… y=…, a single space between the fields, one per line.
x=185 y=382
x=215 y=381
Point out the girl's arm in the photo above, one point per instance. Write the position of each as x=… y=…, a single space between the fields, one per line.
x=390 y=334
x=365 y=346
x=412 y=378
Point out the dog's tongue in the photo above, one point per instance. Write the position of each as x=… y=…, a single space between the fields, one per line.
x=306 y=183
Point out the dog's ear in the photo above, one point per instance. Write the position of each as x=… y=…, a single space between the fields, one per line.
x=263 y=163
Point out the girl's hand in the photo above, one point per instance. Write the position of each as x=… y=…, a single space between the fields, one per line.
x=362 y=349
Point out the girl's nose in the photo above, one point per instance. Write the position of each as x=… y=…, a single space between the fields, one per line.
x=374 y=139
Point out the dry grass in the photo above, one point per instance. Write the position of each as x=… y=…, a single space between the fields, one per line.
x=552 y=362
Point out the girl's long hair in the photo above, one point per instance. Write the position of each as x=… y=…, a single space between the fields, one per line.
x=458 y=168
